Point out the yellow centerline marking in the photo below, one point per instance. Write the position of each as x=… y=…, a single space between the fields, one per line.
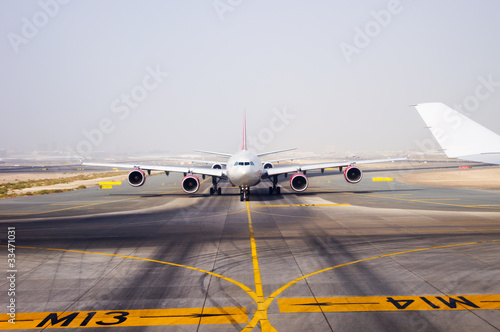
x=300 y=205
x=261 y=314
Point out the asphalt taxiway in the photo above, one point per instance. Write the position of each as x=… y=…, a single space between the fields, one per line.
x=374 y=256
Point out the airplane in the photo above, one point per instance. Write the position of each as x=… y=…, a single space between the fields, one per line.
x=459 y=136
x=244 y=169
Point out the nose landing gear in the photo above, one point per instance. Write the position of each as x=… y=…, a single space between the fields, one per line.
x=244 y=194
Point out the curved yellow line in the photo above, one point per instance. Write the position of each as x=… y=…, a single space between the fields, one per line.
x=277 y=292
x=250 y=292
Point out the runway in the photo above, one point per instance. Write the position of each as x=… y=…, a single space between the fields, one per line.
x=374 y=256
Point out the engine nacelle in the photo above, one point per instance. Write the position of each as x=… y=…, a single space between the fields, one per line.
x=268 y=165
x=353 y=174
x=216 y=166
x=136 y=178
x=190 y=184
x=299 y=182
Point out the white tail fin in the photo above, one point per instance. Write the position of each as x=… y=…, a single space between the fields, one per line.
x=459 y=136
x=244 y=145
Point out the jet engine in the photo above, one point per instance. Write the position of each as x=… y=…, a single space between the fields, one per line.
x=298 y=182
x=190 y=184
x=353 y=174
x=216 y=166
x=268 y=165
x=136 y=178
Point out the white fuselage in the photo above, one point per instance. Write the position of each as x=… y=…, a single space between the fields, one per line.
x=244 y=169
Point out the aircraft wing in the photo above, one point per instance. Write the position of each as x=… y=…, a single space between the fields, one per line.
x=308 y=167
x=165 y=168
x=198 y=161
x=291 y=158
x=273 y=152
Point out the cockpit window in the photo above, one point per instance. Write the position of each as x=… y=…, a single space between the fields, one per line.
x=244 y=163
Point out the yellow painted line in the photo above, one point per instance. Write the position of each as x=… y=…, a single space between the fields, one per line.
x=145 y=317
x=69 y=208
x=110 y=183
x=76 y=207
x=400 y=194
x=287 y=215
x=250 y=292
x=440 y=199
x=79 y=206
x=66 y=204
x=390 y=303
x=280 y=290
x=302 y=205
x=426 y=201
x=261 y=314
x=382 y=179
x=140 y=222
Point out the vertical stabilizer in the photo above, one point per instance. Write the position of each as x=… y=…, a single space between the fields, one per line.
x=459 y=136
x=244 y=146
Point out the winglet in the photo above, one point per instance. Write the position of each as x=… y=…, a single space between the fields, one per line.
x=244 y=146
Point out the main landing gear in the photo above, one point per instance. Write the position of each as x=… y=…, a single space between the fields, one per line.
x=215 y=188
x=244 y=194
x=275 y=187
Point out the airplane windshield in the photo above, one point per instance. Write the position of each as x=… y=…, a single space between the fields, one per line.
x=244 y=163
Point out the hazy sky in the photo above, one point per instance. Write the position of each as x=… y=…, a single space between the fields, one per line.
x=133 y=76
